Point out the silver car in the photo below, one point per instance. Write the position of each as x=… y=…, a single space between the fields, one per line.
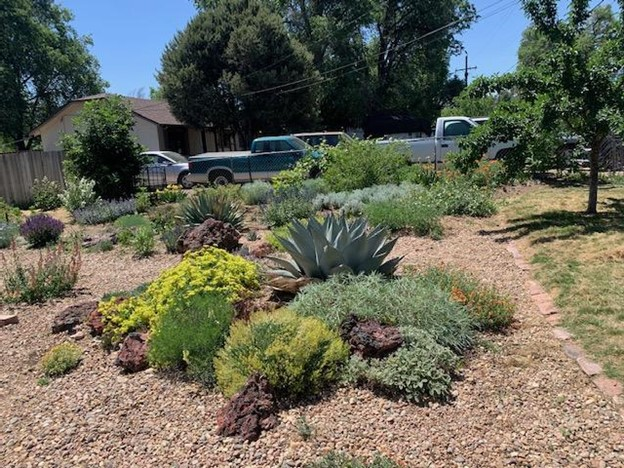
x=167 y=165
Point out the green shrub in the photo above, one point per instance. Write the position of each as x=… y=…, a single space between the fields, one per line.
x=352 y=203
x=8 y=232
x=491 y=310
x=78 y=193
x=189 y=334
x=104 y=211
x=418 y=372
x=45 y=194
x=143 y=242
x=52 y=276
x=170 y=238
x=143 y=200
x=297 y=355
x=164 y=217
x=342 y=460
x=460 y=197
x=256 y=193
x=61 y=359
x=421 y=174
x=295 y=178
x=8 y=213
x=210 y=270
x=406 y=301
x=287 y=206
x=170 y=194
x=422 y=219
x=363 y=163
x=214 y=204
x=128 y=225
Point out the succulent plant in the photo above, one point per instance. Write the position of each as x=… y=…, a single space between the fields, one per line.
x=335 y=246
x=211 y=204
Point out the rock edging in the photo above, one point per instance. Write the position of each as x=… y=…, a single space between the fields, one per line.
x=611 y=388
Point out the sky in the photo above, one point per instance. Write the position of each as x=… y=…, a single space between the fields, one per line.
x=130 y=35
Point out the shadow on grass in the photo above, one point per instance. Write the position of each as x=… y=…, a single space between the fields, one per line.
x=561 y=225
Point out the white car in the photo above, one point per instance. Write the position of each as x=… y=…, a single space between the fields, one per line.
x=165 y=168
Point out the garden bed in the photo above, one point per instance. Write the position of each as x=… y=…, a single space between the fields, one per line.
x=519 y=399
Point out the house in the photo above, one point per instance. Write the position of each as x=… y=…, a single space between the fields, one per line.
x=156 y=128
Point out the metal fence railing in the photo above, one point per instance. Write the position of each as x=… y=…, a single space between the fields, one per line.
x=152 y=177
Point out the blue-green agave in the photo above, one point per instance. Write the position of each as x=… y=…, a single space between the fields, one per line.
x=320 y=250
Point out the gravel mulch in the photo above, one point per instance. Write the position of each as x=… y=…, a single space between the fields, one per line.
x=520 y=402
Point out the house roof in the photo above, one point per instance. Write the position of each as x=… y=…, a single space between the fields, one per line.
x=154 y=110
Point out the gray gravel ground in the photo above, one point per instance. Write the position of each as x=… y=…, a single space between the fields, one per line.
x=521 y=402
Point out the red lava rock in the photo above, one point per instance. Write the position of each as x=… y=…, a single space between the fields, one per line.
x=94 y=323
x=72 y=316
x=133 y=353
x=262 y=250
x=210 y=233
x=370 y=338
x=250 y=411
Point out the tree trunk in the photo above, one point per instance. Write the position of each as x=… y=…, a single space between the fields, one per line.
x=593 y=176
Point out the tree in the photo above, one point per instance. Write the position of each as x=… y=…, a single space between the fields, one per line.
x=43 y=64
x=372 y=55
x=212 y=70
x=103 y=148
x=575 y=89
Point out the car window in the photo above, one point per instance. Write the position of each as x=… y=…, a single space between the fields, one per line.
x=456 y=128
x=261 y=147
x=163 y=160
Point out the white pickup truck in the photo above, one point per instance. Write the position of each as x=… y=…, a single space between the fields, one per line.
x=448 y=131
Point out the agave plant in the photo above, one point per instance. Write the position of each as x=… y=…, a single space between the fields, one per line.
x=320 y=250
x=211 y=204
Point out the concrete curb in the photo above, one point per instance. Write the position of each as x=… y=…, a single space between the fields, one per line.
x=611 y=388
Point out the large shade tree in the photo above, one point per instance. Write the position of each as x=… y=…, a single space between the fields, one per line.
x=576 y=88
x=43 y=64
x=373 y=55
x=213 y=68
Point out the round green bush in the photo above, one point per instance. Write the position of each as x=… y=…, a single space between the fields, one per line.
x=189 y=335
x=298 y=355
x=61 y=359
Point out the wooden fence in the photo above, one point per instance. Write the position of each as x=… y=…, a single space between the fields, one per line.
x=19 y=170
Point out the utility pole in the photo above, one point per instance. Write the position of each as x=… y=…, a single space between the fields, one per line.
x=465 y=69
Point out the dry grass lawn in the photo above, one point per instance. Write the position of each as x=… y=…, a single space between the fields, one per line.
x=578 y=258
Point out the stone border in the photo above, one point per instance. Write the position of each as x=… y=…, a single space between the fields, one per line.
x=611 y=388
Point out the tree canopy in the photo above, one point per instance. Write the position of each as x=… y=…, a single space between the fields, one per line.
x=211 y=70
x=575 y=89
x=43 y=64
x=365 y=57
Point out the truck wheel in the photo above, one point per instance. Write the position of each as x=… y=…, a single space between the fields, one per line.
x=220 y=178
x=183 y=180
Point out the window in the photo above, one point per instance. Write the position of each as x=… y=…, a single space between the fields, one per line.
x=261 y=147
x=454 y=128
x=163 y=160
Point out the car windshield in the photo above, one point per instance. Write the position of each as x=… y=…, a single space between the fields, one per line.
x=175 y=157
x=298 y=143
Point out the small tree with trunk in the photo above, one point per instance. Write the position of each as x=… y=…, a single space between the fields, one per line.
x=576 y=89
x=103 y=148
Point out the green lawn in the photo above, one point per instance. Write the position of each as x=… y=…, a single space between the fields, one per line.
x=579 y=259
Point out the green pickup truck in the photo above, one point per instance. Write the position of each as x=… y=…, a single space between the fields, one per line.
x=268 y=156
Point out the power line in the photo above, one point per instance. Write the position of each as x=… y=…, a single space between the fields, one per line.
x=324 y=80
x=389 y=49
